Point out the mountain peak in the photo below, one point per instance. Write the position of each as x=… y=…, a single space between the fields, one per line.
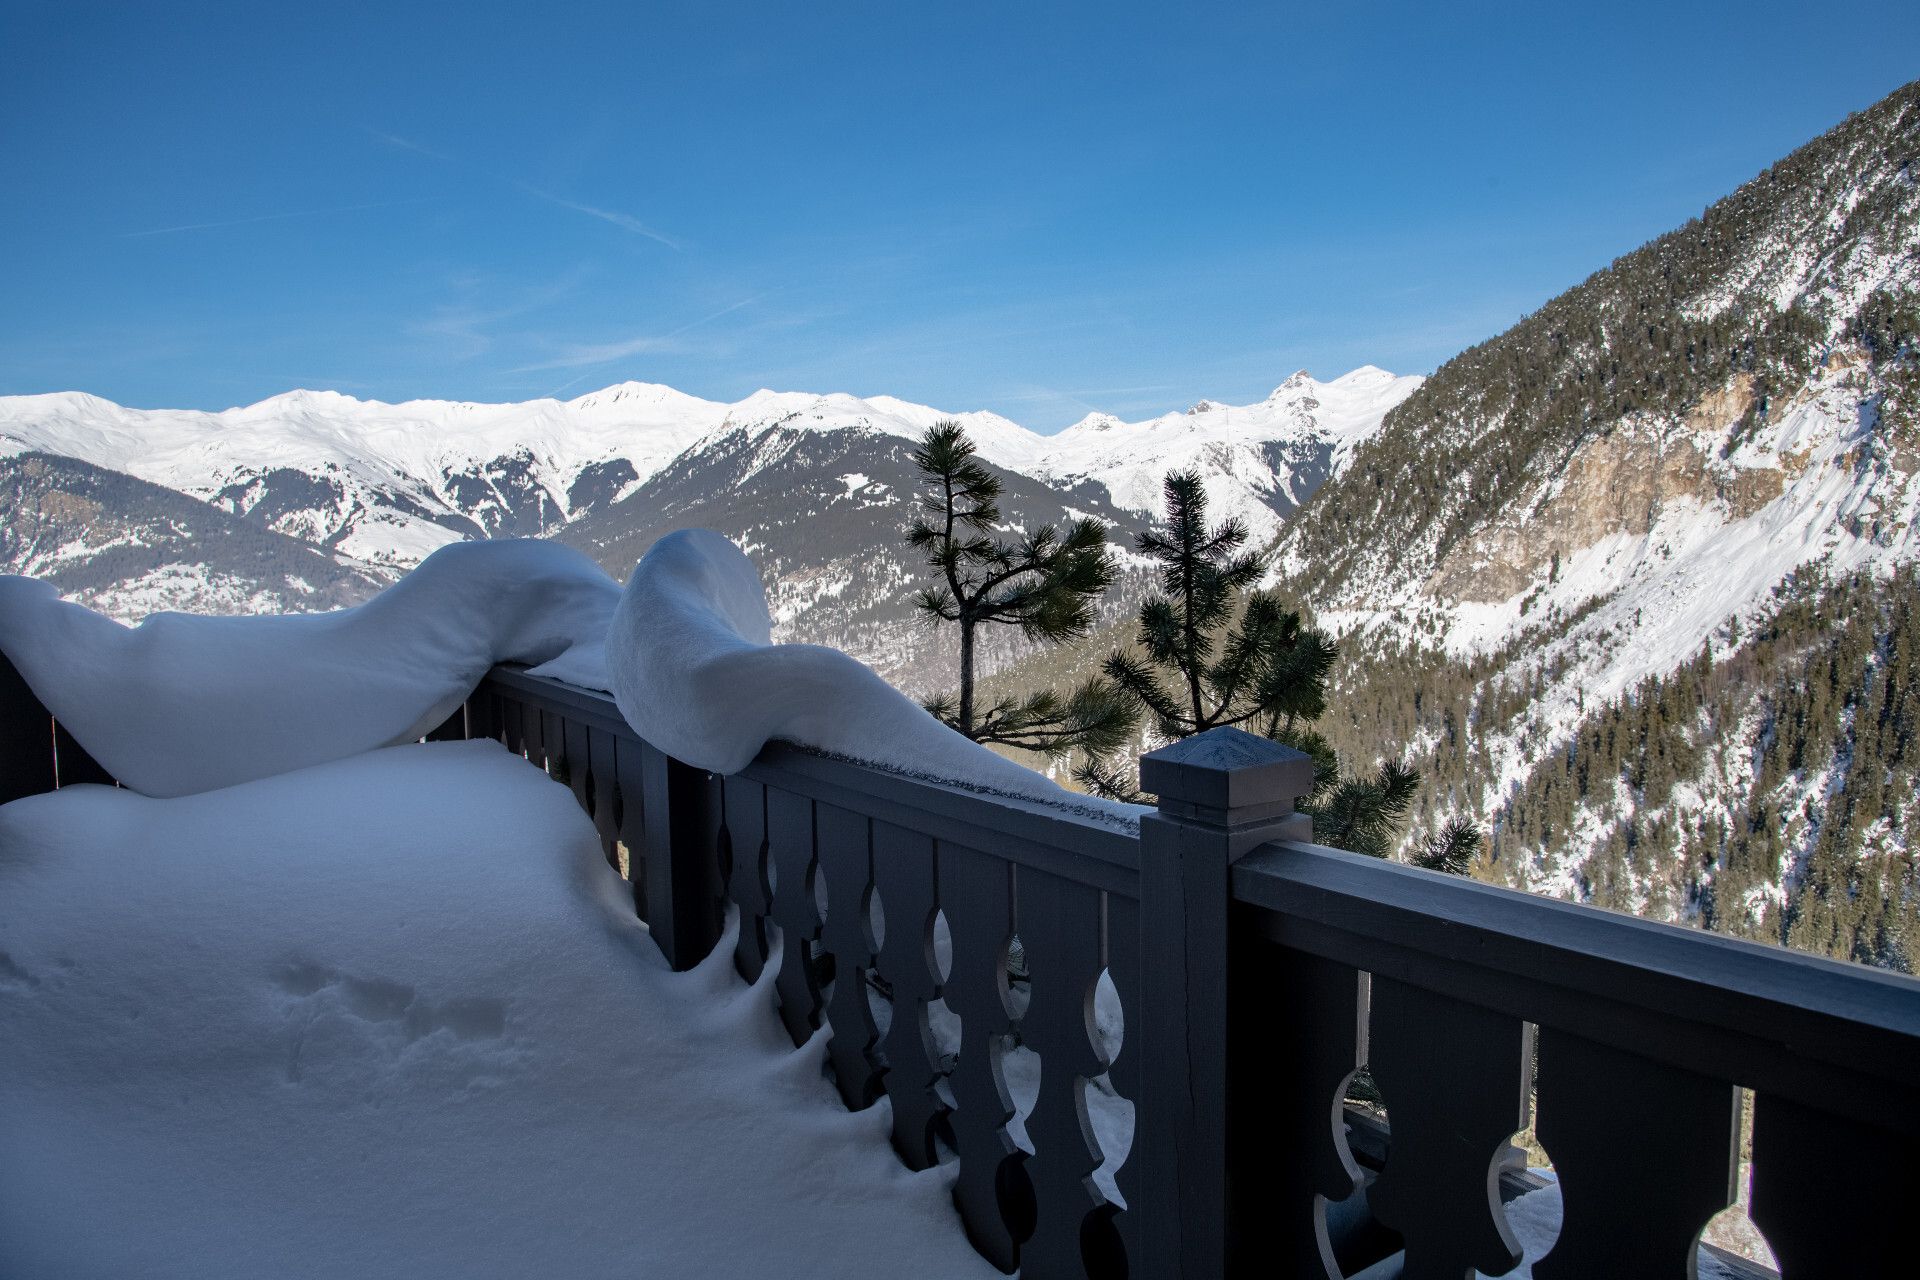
x=304 y=398
x=1297 y=381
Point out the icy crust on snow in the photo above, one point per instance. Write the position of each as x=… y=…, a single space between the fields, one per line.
x=393 y=1017
x=691 y=663
x=185 y=703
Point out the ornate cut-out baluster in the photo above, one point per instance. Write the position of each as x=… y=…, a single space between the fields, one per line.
x=1063 y=957
x=976 y=892
x=452 y=729
x=905 y=871
x=790 y=852
x=537 y=726
x=746 y=807
x=1123 y=967
x=574 y=751
x=630 y=767
x=682 y=862
x=483 y=715
x=1833 y=1194
x=1296 y=1023
x=1455 y=1080
x=845 y=855
x=603 y=791
x=513 y=713
x=1636 y=1194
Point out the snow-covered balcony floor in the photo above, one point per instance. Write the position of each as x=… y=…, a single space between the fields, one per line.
x=393 y=1016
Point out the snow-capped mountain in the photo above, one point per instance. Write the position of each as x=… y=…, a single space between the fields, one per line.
x=1260 y=461
x=384 y=483
x=818 y=485
x=387 y=483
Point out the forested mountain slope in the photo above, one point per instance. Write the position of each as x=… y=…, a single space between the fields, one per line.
x=1632 y=581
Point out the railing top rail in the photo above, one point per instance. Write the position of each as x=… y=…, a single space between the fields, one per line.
x=591 y=705
x=1842 y=1036
x=1053 y=838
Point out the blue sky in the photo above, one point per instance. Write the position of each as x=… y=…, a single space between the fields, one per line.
x=1034 y=209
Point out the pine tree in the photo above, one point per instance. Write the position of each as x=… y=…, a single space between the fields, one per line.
x=1199 y=668
x=1268 y=668
x=1045 y=583
x=1453 y=849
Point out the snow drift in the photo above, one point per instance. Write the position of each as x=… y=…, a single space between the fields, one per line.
x=692 y=666
x=181 y=703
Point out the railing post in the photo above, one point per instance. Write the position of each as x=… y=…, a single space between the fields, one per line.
x=680 y=868
x=1222 y=793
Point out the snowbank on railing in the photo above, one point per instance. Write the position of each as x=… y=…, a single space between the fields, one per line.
x=691 y=662
x=181 y=704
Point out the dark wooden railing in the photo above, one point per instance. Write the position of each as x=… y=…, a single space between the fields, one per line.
x=1257 y=974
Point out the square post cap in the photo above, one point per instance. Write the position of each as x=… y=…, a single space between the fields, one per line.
x=1227 y=776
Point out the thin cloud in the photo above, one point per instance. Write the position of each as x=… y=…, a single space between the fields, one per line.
x=465 y=327
x=269 y=217
x=606 y=352
x=625 y=221
x=408 y=144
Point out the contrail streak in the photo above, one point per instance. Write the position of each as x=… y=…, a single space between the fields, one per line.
x=625 y=221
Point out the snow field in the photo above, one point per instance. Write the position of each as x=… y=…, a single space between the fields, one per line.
x=392 y=1016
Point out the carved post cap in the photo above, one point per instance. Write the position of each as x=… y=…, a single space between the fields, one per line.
x=1232 y=779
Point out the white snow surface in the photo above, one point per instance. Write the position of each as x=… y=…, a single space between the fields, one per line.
x=185 y=703
x=392 y=1016
x=691 y=664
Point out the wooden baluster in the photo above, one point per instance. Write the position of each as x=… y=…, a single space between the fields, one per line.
x=1064 y=962
x=993 y=1195
x=1454 y=1076
x=452 y=729
x=746 y=806
x=1832 y=1193
x=683 y=866
x=73 y=763
x=905 y=872
x=26 y=738
x=603 y=791
x=845 y=851
x=537 y=726
x=483 y=714
x=1645 y=1154
x=1123 y=967
x=513 y=713
x=790 y=852
x=630 y=772
x=575 y=753
x=1297 y=1024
